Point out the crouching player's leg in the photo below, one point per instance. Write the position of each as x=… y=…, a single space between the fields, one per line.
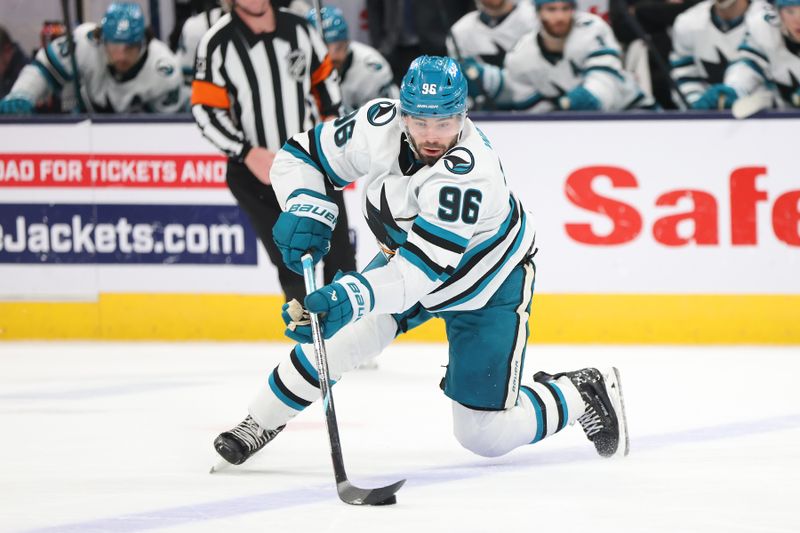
x=492 y=412
x=294 y=384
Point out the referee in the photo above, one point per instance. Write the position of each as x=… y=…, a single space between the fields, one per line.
x=262 y=75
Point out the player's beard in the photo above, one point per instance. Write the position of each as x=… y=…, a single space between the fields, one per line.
x=557 y=32
x=429 y=159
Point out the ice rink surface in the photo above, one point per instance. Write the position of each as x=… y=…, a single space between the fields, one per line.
x=106 y=437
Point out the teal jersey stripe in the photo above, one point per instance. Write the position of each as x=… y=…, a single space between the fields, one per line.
x=608 y=70
x=681 y=62
x=449 y=236
x=53 y=58
x=563 y=404
x=339 y=182
x=301 y=356
x=496 y=268
x=412 y=258
x=753 y=51
x=538 y=411
x=281 y=396
x=51 y=80
x=488 y=242
x=309 y=192
x=301 y=156
x=604 y=52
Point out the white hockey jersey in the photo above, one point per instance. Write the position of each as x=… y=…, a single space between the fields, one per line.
x=152 y=85
x=766 y=60
x=534 y=79
x=365 y=75
x=703 y=46
x=454 y=231
x=474 y=35
x=193 y=30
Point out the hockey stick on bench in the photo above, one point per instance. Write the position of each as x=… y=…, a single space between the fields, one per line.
x=348 y=492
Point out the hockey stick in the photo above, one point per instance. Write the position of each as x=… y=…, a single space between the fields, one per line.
x=648 y=41
x=348 y=492
x=76 y=75
x=751 y=104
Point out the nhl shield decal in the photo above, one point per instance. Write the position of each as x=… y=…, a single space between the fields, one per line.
x=381 y=113
x=459 y=160
x=297 y=64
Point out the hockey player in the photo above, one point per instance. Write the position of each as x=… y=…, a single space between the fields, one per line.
x=768 y=60
x=457 y=244
x=486 y=35
x=193 y=30
x=704 y=39
x=572 y=63
x=364 y=73
x=120 y=70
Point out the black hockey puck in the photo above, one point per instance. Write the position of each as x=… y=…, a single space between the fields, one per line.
x=391 y=500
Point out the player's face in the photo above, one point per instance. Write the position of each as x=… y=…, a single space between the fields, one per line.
x=123 y=56
x=556 y=18
x=432 y=137
x=338 y=53
x=493 y=6
x=790 y=16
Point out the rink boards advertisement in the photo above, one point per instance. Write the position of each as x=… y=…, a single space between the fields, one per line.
x=648 y=231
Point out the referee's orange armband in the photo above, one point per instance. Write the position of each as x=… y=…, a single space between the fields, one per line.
x=208 y=94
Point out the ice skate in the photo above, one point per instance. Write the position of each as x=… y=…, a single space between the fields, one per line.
x=238 y=444
x=604 y=420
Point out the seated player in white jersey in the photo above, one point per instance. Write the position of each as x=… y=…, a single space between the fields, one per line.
x=572 y=63
x=456 y=244
x=768 y=60
x=120 y=70
x=364 y=73
x=704 y=39
x=193 y=30
x=485 y=36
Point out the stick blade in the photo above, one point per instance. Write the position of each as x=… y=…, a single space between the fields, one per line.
x=353 y=495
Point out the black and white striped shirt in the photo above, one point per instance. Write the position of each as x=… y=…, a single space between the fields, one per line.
x=260 y=89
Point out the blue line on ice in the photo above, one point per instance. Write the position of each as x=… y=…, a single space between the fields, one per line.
x=175 y=516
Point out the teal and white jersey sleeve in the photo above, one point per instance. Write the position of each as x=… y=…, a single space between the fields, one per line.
x=51 y=69
x=336 y=151
x=534 y=79
x=764 y=61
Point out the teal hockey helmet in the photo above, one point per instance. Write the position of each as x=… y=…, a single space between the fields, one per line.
x=433 y=87
x=786 y=3
x=123 y=23
x=334 y=26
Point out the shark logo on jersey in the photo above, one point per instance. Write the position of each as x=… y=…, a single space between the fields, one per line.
x=297 y=64
x=459 y=160
x=381 y=113
x=383 y=225
x=716 y=71
x=164 y=68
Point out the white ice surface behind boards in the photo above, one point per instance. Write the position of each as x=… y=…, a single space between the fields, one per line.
x=107 y=437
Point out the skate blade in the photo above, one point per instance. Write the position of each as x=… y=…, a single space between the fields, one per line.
x=222 y=465
x=614 y=384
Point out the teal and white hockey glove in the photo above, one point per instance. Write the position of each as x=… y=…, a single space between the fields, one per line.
x=305 y=227
x=16 y=104
x=348 y=299
x=796 y=98
x=719 y=96
x=579 y=99
x=298 y=322
x=482 y=79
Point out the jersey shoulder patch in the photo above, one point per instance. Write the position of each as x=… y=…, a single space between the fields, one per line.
x=459 y=160
x=381 y=112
